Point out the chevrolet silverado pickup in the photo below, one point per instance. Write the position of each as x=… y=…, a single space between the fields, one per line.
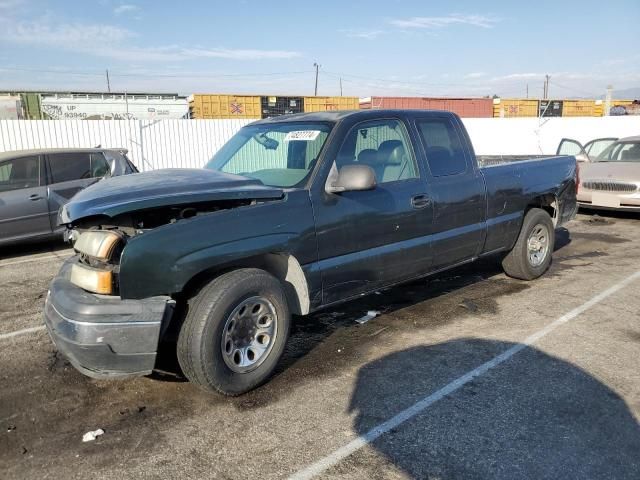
x=292 y=214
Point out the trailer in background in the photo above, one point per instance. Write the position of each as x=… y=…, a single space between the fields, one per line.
x=464 y=107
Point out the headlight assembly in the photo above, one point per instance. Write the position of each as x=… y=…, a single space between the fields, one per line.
x=99 y=244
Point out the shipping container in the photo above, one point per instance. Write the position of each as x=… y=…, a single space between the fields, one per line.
x=31 y=106
x=323 y=104
x=551 y=108
x=465 y=107
x=10 y=107
x=273 y=106
x=624 y=107
x=204 y=106
x=514 y=107
x=112 y=106
x=580 y=108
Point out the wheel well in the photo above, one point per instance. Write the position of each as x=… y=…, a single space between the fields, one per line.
x=284 y=267
x=548 y=203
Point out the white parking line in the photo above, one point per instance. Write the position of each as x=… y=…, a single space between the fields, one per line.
x=4 y=336
x=418 y=407
x=33 y=259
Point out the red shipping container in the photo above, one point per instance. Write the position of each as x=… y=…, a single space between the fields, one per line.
x=465 y=107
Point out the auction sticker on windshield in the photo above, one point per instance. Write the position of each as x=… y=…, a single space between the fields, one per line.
x=302 y=135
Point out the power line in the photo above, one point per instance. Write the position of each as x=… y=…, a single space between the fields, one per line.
x=212 y=75
x=575 y=90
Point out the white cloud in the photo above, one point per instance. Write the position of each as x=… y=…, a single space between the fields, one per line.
x=476 y=75
x=125 y=8
x=364 y=34
x=115 y=42
x=72 y=36
x=482 y=21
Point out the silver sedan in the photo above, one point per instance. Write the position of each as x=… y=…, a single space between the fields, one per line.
x=609 y=172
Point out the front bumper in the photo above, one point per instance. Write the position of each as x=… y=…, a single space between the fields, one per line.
x=104 y=336
x=593 y=199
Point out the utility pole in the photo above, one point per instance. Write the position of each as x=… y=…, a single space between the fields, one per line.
x=546 y=86
x=527 y=90
x=607 y=100
x=108 y=83
x=315 y=92
x=340 y=86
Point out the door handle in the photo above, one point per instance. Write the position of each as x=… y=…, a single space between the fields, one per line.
x=35 y=197
x=420 y=201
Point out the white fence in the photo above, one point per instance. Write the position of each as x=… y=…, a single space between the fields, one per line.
x=524 y=136
x=190 y=143
x=151 y=144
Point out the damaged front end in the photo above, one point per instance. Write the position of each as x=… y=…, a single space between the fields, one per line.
x=99 y=240
x=103 y=331
x=111 y=213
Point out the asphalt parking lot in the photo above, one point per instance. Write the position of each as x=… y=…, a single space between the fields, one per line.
x=468 y=374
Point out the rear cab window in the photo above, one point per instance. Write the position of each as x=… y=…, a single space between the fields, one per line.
x=443 y=146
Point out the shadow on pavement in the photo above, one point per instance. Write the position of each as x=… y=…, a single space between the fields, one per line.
x=534 y=416
x=596 y=216
x=310 y=332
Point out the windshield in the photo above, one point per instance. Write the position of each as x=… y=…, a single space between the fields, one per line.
x=620 y=152
x=278 y=154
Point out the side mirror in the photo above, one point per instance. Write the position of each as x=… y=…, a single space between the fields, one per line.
x=352 y=178
x=582 y=157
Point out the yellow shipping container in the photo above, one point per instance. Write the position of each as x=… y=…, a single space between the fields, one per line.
x=514 y=107
x=204 y=106
x=323 y=104
x=580 y=108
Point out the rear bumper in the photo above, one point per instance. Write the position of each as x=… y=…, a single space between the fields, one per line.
x=104 y=336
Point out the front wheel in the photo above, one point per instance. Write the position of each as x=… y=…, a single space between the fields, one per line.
x=530 y=257
x=234 y=332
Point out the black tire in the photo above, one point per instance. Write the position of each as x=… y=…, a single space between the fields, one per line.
x=517 y=263
x=199 y=349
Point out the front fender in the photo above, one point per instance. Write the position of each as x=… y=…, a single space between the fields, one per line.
x=165 y=259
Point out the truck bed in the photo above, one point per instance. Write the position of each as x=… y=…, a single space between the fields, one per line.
x=490 y=160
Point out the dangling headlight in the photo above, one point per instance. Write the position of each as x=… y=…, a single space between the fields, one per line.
x=99 y=244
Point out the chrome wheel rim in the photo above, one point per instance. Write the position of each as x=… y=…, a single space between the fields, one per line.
x=538 y=245
x=249 y=334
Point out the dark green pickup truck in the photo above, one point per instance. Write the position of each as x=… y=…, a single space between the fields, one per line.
x=293 y=214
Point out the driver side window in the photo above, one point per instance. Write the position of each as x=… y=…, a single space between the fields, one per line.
x=382 y=145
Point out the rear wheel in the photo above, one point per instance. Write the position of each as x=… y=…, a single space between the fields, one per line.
x=234 y=332
x=530 y=257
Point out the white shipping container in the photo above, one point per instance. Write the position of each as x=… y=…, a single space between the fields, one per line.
x=10 y=107
x=116 y=106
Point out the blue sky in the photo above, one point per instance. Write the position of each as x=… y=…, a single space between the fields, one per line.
x=392 y=47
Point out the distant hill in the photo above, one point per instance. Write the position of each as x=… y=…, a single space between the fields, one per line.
x=626 y=94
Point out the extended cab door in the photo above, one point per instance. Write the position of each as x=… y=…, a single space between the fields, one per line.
x=371 y=238
x=23 y=198
x=457 y=187
x=70 y=172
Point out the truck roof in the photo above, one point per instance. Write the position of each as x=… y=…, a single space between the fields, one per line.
x=337 y=115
